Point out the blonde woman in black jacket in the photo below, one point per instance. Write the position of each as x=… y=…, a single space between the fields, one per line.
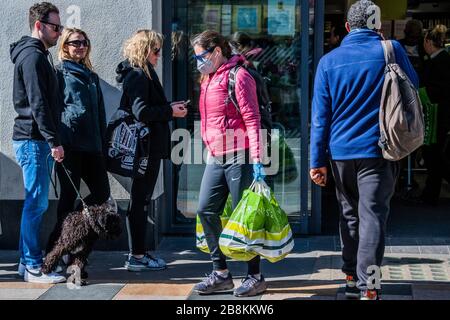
x=144 y=96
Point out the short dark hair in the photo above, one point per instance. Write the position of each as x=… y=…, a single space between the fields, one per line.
x=41 y=11
x=240 y=40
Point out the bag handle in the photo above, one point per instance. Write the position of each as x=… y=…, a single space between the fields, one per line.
x=389 y=53
x=261 y=187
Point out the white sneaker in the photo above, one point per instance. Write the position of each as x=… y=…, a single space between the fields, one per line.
x=36 y=276
x=21 y=269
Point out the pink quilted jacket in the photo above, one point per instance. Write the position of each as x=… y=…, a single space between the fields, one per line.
x=223 y=129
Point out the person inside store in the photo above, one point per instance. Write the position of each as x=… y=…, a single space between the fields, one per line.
x=437 y=84
x=413 y=45
x=337 y=34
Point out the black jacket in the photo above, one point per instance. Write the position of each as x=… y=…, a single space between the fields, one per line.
x=146 y=99
x=36 y=95
x=83 y=119
x=437 y=84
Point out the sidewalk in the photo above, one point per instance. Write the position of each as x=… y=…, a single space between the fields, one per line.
x=414 y=269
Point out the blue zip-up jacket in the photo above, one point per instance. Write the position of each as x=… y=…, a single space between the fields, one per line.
x=347 y=95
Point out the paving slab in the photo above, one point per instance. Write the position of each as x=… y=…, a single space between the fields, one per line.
x=434 y=250
x=149 y=290
x=90 y=292
x=21 y=294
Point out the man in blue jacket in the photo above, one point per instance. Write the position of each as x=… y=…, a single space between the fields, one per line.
x=345 y=129
x=37 y=103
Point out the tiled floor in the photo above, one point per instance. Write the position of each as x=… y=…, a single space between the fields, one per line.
x=413 y=269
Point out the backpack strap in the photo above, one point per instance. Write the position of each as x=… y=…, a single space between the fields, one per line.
x=232 y=87
x=389 y=53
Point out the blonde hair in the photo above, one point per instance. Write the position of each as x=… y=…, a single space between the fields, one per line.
x=137 y=48
x=64 y=55
x=437 y=35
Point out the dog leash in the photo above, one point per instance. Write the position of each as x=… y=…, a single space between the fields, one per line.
x=85 y=207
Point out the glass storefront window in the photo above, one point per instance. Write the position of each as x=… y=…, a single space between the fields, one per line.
x=275 y=49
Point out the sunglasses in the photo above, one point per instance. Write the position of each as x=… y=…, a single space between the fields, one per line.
x=200 y=57
x=79 y=43
x=156 y=51
x=55 y=27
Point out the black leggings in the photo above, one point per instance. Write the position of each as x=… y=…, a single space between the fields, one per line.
x=81 y=165
x=219 y=180
x=141 y=191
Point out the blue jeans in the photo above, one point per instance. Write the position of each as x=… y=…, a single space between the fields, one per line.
x=32 y=156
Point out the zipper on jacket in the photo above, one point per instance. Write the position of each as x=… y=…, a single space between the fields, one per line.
x=204 y=104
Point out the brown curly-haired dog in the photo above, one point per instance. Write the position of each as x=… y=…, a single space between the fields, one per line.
x=79 y=232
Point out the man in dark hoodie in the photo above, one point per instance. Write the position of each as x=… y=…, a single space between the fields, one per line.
x=36 y=100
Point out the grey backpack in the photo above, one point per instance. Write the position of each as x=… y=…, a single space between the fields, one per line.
x=401 y=115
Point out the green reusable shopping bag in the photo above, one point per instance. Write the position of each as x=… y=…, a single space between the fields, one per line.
x=258 y=226
x=200 y=234
x=278 y=239
x=430 y=111
x=245 y=228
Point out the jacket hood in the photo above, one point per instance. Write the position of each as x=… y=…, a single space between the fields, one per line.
x=122 y=70
x=125 y=67
x=24 y=45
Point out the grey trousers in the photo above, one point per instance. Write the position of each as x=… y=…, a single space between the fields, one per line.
x=221 y=178
x=364 y=189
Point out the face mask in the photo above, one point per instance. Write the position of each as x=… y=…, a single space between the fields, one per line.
x=206 y=66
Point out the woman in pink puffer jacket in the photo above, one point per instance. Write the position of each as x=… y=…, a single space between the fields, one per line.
x=233 y=141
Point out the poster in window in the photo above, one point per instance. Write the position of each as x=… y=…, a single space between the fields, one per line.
x=212 y=16
x=247 y=18
x=281 y=17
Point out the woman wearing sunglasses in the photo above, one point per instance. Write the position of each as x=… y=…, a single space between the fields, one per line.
x=82 y=127
x=233 y=158
x=144 y=96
